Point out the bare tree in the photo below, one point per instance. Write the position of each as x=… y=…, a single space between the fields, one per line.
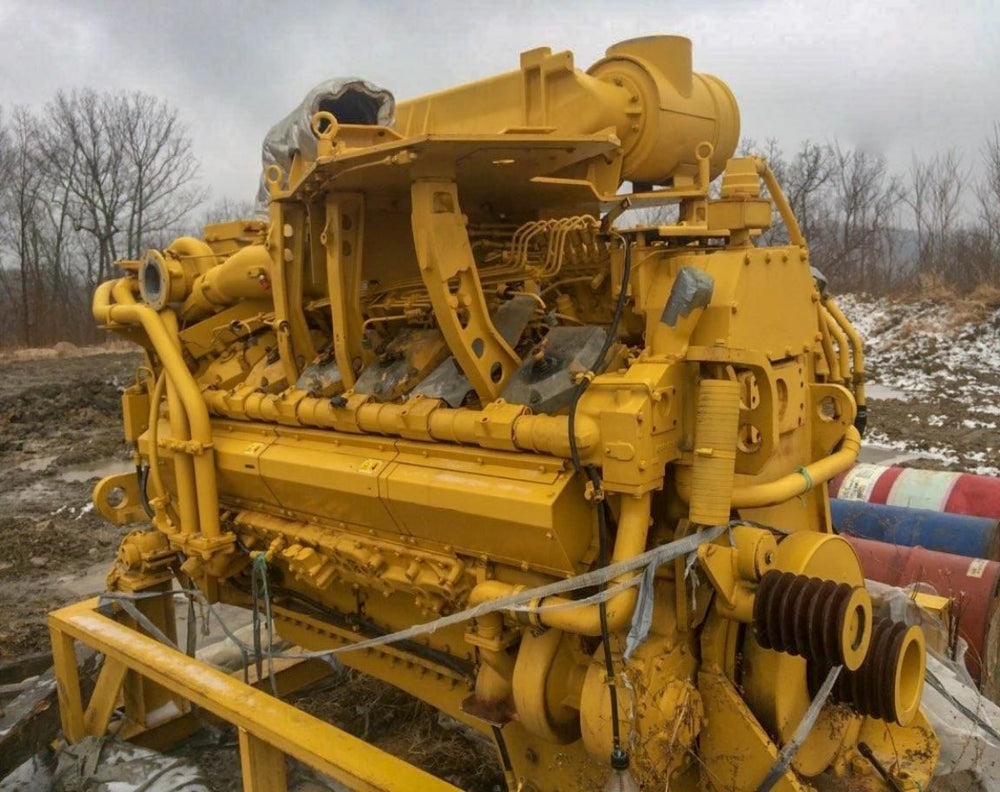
x=864 y=221
x=20 y=220
x=126 y=164
x=988 y=199
x=91 y=178
x=934 y=197
x=161 y=167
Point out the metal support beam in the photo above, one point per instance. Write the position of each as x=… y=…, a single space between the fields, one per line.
x=269 y=721
x=262 y=765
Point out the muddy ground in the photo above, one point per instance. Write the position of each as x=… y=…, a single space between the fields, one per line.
x=60 y=431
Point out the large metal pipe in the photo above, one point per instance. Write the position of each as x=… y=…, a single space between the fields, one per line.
x=643 y=89
x=200 y=445
x=973 y=537
x=244 y=275
x=426 y=419
x=955 y=493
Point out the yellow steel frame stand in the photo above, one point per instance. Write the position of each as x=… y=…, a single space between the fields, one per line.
x=269 y=729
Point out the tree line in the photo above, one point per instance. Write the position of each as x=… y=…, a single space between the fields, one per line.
x=94 y=177
x=936 y=225
x=89 y=179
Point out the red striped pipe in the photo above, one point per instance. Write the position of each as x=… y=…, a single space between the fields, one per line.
x=937 y=490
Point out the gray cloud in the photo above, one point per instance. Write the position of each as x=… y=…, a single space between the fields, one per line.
x=891 y=77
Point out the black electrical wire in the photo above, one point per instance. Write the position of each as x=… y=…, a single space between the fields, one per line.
x=601 y=360
x=602 y=609
x=142 y=473
x=502 y=748
x=619 y=758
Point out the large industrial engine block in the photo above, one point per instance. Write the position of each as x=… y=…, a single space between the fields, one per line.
x=453 y=370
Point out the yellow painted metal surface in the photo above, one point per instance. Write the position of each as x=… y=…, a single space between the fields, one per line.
x=445 y=362
x=272 y=727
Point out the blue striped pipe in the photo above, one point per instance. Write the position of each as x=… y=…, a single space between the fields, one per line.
x=975 y=537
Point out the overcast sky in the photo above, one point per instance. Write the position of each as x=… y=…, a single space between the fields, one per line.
x=892 y=77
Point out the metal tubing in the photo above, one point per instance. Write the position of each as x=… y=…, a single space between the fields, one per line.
x=780 y=202
x=797 y=483
x=188 y=392
x=633 y=531
x=829 y=354
x=543 y=434
x=754 y=496
x=244 y=275
x=187 y=498
x=288 y=729
x=857 y=349
x=840 y=337
x=973 y=537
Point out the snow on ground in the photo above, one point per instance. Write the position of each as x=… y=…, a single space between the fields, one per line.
x=934 y=375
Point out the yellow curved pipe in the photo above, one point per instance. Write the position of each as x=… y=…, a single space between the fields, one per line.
x=787 y=487
x=857 y=348
x=829 y=353
x=196 y=250
x=130 y=313
x=633 y=531
x=840 y=339
x=780 y=202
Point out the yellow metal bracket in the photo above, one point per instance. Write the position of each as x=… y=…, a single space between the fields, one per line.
x=343 y=237
x=450 y=274
x=269 y=729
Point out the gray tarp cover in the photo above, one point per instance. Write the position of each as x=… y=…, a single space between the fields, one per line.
x=351 y=99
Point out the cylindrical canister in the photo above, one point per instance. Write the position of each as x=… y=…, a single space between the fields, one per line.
x=939 y=490
x=971 y=583
x=974 y=537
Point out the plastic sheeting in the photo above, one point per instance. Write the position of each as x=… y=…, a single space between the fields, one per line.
x=352 y=100
x=101 y=764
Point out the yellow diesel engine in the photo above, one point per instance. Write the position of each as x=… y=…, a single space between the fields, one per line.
x=557 y=471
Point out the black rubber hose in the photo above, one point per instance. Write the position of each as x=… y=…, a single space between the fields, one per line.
x=601 y=361
x=142 y=473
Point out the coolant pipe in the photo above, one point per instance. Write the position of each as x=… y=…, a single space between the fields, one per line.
x=180 y=429
x=840 y=338
x=857 y=349
x=780 y=202
x=755 y=496
x=829 y=353
x=425 y=420
x=161 y=519
x=633 y=531
x=200 y=446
